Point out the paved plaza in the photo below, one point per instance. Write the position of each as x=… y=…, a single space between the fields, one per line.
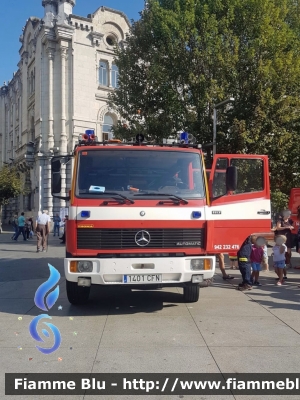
x=147 y=331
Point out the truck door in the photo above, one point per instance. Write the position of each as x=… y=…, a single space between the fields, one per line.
x=234 y=215
x=294 y=203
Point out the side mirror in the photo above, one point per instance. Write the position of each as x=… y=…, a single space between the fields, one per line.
x=231 y=178
x=55 y=176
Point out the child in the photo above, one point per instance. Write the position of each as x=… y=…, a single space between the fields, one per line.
x=233 y=260
x=279 y=251
x=256 y=258
x=245 y=264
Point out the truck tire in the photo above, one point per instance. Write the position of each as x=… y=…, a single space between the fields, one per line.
x=191 y=294
x=77 y=294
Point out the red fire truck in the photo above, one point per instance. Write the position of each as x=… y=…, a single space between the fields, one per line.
x=145 y=215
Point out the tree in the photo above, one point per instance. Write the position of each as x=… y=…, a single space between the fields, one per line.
x=184 y=56
x=10 y=184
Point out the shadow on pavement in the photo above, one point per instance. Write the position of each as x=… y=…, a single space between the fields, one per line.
x=19 y=280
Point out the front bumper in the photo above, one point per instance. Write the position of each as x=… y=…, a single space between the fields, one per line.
x=174 y=270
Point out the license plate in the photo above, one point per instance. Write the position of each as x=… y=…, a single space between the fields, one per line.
x=149 y=278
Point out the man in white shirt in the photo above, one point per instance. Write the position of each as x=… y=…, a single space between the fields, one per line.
x=42 y=230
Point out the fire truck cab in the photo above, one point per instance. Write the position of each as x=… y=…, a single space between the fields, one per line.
x=145 y=215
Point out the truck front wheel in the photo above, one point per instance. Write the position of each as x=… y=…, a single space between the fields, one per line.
x=191 y=294
x=77 y=294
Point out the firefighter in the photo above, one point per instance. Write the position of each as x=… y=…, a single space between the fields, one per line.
x=245 y=263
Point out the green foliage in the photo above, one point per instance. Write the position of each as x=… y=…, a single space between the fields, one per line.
x=184 y=56
x=279 y=201
x=10 y=184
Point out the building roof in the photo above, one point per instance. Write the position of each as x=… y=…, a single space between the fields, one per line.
x=113 y=11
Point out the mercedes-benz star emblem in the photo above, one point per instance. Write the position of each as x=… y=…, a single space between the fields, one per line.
x=142 y=213
x=142 y=238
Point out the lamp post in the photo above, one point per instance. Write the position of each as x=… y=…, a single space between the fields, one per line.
x=222 y=103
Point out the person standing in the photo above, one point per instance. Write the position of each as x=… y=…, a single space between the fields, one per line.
x=244 y=263
x=63 y=238
x=256 y=258
x=42 y=230
x=30 y=223
x=56 y=220
x=284 y=226
x=15 y=226
x=279 y=251
x=21 y=224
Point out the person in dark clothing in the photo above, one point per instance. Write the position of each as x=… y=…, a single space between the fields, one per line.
x=244 y=264
x=284 y=226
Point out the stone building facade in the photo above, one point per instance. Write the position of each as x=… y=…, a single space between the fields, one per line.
x=65 y=73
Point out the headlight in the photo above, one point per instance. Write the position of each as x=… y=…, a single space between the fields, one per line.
x=85 y=266
x=197 y=264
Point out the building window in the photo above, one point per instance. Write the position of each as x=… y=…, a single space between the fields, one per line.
x=114 y=76
x=11 y=114
x=103 y=73
x=111 y=40
x=32 y=133
x=107 y=125
x=33 y=81
x=18 y=108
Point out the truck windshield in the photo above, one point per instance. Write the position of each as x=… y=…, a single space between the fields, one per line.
x=146 y=171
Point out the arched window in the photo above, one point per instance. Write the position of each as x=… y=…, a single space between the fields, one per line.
x=103 y=73
x=114 y=75
x=106 y=128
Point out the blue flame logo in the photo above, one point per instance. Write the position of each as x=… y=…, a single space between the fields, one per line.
x=40 y=299
x=45 y=298
x=34 y=333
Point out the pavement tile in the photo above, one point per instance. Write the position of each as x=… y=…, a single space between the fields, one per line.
x=74 y=333
x=151 y=331
x=253 y=359
x=146 y=359
x=249 y=331
x=237 y=306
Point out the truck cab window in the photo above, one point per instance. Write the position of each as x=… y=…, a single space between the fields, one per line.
x=130 y=171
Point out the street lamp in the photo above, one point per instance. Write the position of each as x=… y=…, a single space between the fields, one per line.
x=223 y=103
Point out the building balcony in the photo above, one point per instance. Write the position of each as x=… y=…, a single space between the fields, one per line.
x=24 y=157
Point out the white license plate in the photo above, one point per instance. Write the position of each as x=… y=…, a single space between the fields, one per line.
x=142 y=279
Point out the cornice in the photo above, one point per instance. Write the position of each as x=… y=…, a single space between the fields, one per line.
x=64 y=31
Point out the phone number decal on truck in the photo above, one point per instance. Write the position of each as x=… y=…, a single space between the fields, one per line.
x=226 y=247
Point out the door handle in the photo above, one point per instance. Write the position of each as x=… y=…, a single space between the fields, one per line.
x=263 y=212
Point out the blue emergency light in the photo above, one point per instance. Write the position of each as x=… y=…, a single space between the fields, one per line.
x=85 y=214
x=89 y=135
x=184 y=137
x=196 y=214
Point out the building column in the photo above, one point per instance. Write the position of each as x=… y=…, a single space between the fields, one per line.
x=48 y=199
x=50 y=141
x=63 y=138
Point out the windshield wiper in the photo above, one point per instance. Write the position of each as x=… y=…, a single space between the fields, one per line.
x=184 y=201
x=110 y=194
x=120 y=201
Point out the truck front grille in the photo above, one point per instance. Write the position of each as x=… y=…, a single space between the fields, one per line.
x=143 y=239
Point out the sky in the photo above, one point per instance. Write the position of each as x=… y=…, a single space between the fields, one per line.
x=14 y=14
